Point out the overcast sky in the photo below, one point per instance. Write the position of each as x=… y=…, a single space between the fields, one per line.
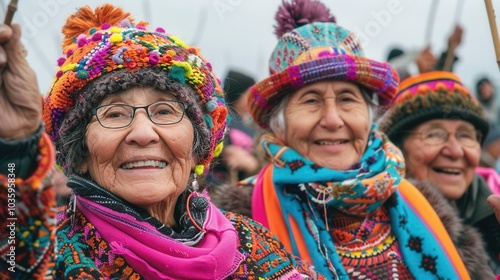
x=238 y=34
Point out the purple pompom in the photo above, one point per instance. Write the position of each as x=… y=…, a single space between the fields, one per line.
x=60 y=61
x=97 y=37
x=298 y=13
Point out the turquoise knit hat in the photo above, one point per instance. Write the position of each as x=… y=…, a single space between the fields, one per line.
x=315 y=51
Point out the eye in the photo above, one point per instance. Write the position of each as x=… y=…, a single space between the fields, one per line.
x=347 y=96
x=467 y=135
x=164 y=111
x=113 y=112
x=166 y=108
x=310 y=98
x=435 y=134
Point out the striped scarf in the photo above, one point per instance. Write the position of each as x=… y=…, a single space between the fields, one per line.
x=293 y=196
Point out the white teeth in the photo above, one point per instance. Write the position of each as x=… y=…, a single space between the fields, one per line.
x=450 y=170
x=152 y=163
x=330 y=143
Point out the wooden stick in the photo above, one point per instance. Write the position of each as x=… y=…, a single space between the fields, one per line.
x=448 y=62
x=430 y=22
x=493 y=27
x=458 y=11
x=450 y=54
x=8 y=19
x=10 y=12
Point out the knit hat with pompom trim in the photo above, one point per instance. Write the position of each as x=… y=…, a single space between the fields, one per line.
x=311 y=48
x=428 y=96
x=106 y=52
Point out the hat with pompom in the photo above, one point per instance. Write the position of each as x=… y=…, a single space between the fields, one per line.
x=106 y=44
x=427 y=96
x=312 y=47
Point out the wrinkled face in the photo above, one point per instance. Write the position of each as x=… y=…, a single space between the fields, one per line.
x=450 y=165
x=144 y=163
x=328 y=122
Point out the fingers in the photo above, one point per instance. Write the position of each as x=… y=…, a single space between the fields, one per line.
x=426 y=61
x=456 y=37
x=5 y=36
x=5 y=33
x=3 y=57
x=15 y=52
x=458 y=30
x=427 y=50
x=494 y=201
x=14 y=47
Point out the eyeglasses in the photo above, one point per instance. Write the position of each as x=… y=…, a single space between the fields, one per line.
x=122 y=115
x=438 y=136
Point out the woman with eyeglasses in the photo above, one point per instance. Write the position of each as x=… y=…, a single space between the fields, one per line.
x=135 y=115
x=440 y=127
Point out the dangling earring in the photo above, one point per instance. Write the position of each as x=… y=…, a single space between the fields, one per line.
x=196 y=202
x=194 y=185
x=71 y=209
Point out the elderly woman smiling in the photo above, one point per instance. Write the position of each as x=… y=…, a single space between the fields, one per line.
x=313 y=111
x=136 y=116
x=334 y=191
x=440 y=127
x=144 y=163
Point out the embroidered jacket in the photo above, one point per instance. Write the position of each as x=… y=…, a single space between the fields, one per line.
x=32 y=222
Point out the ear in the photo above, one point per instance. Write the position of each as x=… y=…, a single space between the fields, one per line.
x=84 y=167
x=280 y=134
x=194 y=161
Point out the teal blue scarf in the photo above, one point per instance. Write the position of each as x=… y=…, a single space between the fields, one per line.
x=304 y=189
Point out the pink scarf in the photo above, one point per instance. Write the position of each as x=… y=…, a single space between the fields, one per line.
x=491 y=177
x=157 y=256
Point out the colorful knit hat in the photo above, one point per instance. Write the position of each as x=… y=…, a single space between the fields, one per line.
x=432 y=95
x=311 y=48
x=107 y=43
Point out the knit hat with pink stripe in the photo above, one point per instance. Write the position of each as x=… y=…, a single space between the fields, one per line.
x=432 y=95
x=311 y=48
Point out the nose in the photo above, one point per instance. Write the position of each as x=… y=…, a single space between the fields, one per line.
x=452 y=148
x=330 y=115
x=142 y=130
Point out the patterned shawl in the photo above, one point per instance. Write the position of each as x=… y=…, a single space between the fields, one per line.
x=293 y=196
x=205 y=242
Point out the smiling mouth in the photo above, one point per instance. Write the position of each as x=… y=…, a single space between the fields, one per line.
x=450 y=171
x=326 y=143
x=147 y=163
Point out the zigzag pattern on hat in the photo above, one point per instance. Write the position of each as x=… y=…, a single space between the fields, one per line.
x=103 y=47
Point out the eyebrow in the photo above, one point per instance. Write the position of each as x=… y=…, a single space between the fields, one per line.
x=337 y=90
x=463 y=125
x=118 y=99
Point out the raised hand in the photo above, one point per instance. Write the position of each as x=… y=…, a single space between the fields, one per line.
x=455 y=38
x=494 y=201
x=426 y=61
x=20 y=99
